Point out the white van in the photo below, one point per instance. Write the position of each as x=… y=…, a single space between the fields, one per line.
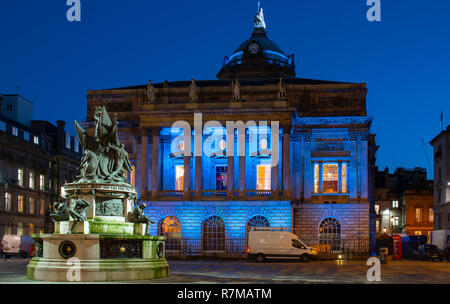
x=276 y=243
x=15 y=245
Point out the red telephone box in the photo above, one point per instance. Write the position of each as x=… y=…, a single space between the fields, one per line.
x=397 y=247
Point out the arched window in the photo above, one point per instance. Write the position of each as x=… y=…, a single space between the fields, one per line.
x=258 y=221
x=171 y=229
x=330 y=233
x=214 y=234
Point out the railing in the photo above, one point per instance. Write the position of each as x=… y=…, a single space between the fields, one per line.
x=349 y=247
x=165 y=195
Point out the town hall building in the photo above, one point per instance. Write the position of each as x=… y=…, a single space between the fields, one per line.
x=300 y=155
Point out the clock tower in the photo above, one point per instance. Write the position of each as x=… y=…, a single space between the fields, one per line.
x=258 y=57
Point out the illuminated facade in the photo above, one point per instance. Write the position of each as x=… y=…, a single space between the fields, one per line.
x=308 y=158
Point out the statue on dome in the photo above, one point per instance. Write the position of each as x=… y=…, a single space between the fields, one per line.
x=259 y=19
x=105 y=160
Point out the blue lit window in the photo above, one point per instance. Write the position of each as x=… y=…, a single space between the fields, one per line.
x=213 y=234
x=2 y=126
x=221 y=177
x=258 y=221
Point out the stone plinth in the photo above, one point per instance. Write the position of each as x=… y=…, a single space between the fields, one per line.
x=114 y=257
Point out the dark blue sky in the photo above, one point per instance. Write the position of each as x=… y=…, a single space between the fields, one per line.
x=404 y=59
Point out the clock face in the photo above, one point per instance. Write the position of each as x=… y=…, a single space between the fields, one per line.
x=253 y=48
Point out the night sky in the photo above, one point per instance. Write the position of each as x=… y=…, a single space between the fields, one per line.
x=404 y=59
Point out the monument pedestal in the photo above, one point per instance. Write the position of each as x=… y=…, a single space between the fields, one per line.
x=98 y=258
x=104 y=247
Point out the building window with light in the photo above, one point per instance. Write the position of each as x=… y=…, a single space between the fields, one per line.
x=431 y=215
x=344 y=178
x=396 y=221
x=42 y=182
x=32 y=206
x=316 y=178
x=171 y=229
x=418 y=215
x=20 y=203
x=179 y=178
x=68 y=140
x=263 y=177
x=7 y=201
x=377 y=209
x=31 y=184
x=20 y=177
x=36 y=140
x=221 y=177
x=330 y=183
x=15 y=131
x=42 y=207
x=394 y=204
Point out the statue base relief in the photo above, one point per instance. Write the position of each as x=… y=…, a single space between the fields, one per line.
x=107 y=245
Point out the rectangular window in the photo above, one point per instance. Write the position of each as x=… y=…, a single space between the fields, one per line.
x=26 y=136
x=15 y=131
x=418 y=232
x=20 y=203
x=131 y=176
x=19 y=229
x=20 y=177
x=377 y=209
x=68 y=140
x=418 y=215
x=2 y=126
x=76 y=146
x=42 y=182
x=330 y=178
x=396 y=221
x=42 y=207
x=221 y=177
x=32 y=206
x=7 y=201
x=263 y=177
x=344 y=177
x=36 y=140
x=394 y=204
x=316 y=178
x=430 y=215
x=179 y=178
x=31 y=184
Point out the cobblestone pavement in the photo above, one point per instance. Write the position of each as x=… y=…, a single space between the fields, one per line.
x=231 y=271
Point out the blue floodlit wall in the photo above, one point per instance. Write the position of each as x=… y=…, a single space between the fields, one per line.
x=235 y=214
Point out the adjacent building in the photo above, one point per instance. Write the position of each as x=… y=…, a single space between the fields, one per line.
x=404 y=202
x=441 y=148
x=268 y=149
x=36 y=159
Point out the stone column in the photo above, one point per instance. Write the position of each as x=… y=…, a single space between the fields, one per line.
x=275 y=164
x=155 y=162
x=286 y=161
x=198 y=176
x=187 y=176
x=230 y=176
x=242 y=146
x=144 y=162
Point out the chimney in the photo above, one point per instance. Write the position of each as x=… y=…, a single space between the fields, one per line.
x=60 y=136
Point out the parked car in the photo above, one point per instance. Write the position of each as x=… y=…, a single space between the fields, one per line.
x=15 y=245
x=429 y=252
x=276 y=243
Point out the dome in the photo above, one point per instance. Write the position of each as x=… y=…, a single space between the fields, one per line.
x=258 y=57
